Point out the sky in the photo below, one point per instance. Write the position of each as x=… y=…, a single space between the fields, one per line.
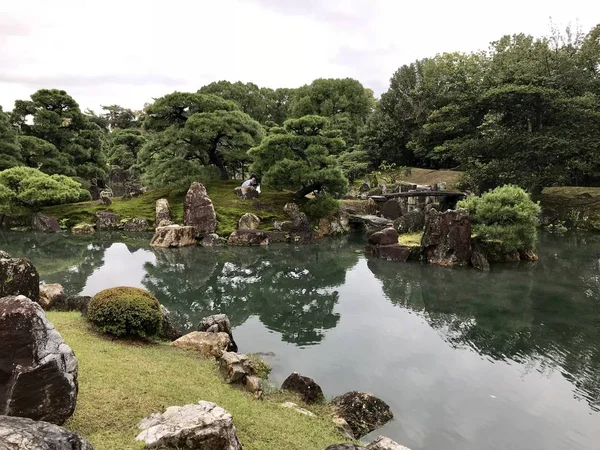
x=128 y=52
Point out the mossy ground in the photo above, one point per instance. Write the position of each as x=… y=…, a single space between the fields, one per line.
x=229 y=208
x=122 y=382
x=420 y=176
x=411 y=239
x=578 y=207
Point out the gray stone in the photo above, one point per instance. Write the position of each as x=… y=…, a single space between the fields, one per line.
x=163 y=213
x=83 y=229
x=254 y=385
x=306 y=387
x=292 y=210
x=211 y=240
x=344 y=447
x=198 y=211
x=72 y=303
x=46 y=224
x=283 y=226
x=106 y=220
x=386 y=236
x=38 y=371
x=235 y=367
x=173 y=236
x=137 y=225
x=168 y=329
x=219 y=323
x=364 y=412
x=249 y=221
x=208 y=345
x=393 y=252
x=447 y=238
x=383 y=443
x=19 y=433
x=411 y=222
x=201 y=426
x=19 y=277
x=295 y=407
x=248 y=237
x=391 y=209
x=50 y=294
x=246 y=192
x=335 y=225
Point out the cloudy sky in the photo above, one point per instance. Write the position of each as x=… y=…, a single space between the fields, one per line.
x=129 y=51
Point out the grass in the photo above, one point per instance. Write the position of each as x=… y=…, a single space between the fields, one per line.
x=229 y=208
x=120 y=383
x=422 y=176
x=411 y=239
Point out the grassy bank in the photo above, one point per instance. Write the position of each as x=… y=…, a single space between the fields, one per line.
x=229 y=208
x=421 y=176
x=577 y=207
x=121 y=383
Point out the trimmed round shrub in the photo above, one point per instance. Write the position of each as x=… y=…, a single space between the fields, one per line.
x=323 y=205
x=125 y=312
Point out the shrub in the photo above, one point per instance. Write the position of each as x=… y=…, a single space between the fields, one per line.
x=31 y=187
x=506 y=216
x=126 y=312
x=323 y=205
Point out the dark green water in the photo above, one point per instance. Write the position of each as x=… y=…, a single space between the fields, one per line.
x=467 y=360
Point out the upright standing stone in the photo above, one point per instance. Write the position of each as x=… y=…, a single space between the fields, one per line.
x=249 y=221
x=447 y=238
x=18 y=277
x=198 y=211
x=163 y=213
x=38 y=371
x=20 y=433
x=47 y=224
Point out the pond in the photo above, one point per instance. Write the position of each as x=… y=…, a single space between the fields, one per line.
x=467 y=360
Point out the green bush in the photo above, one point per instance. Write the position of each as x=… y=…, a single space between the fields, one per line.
x=31 y=187
x=505 y=216
x=323 y=205
x=126 y=312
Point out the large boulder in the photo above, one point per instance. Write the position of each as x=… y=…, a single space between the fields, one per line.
x=46 y=224
x=208 y=345
x=201 y=426
x=364 y=412
x=211 y=240
x=391 y=209
x=384 y=443
x=20 y=433
x=106 y=220
x=218 y=323
x=19 y=277
x=292 y=210
x=447 y=238
x=138 y=224
x=393 y=252
x=83 y=229
x=411 y=222
x=248 y=237
x=308 y=389
x=479 y=259
x=249 y=221
x=173 y=236
x=163 y=213
x=72 y=303
x=246 y=192
x=50 y=294
x=385 y=237
x=198 y=211
x=335 y=225
x=38 y=371
x=286 y=225
x=235 y=367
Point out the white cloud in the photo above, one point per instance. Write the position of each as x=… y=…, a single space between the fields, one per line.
x=129 y=51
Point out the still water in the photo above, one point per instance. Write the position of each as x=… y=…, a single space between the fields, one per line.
x=467 y=360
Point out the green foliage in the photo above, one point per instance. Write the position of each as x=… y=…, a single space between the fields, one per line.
x=506 y=216
x=303 y=159
x=54 y=116
x=354 y=164
x=43 y=155
x=125 y=312
x=123 y=146
x=323 y=205
x=30 y=187
x=10 y=155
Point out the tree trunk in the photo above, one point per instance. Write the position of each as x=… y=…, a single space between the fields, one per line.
x=301 y=193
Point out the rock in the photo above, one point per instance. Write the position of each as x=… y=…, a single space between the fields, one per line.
x=168 y=330
x=235 y=367
x=4 y=255
x=364 y=187
x=105 y=199
x=246 y=192
x=138 y=225
x=335 y=225
x=209 y=345
x=371 y=207
x=253 y=385
x=106 y=220
x=479 y=259
x=292 y=210
x=371 y=222
x=248 y=237
x=363 y=412
x=447 y=238
x=383 y=443
x=20 y=433
x=211 y=240
x=393 y=252
x=309 y=391
x=248 y=221
x=283 y=226
x=72 y=303
x=83 y=228
x=47 y=224
x=344 y=447
x=391 y=209
x=385 y=237
x=198 y=211
x=38 y=371
x=291 y=405
x=343 y=428
x=19 y=277
x=50 y=294
x=411 y=222
x=219 y=323
x=528 y=255
x=163 y=213
x=301 y=224
x=173 y=236
x=201 y=426
x=278 y=237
